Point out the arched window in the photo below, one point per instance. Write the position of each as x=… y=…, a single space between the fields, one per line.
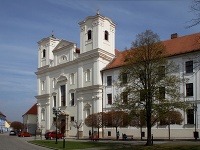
x=87 y=112
x=89 y=34
x=43 y=53
x=42 y=114
x=106 y=35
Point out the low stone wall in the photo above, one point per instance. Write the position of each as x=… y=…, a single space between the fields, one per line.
x=157 y=133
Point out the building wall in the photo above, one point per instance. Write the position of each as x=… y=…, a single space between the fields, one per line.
x=184 y=130
x=30 y=122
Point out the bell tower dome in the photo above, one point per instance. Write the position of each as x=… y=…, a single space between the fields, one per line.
x=97 y=32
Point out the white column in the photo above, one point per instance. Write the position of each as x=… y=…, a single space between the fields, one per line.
x=96 y=76
x=39 y=115
x=39 y=58
x=80 y=75
x=48 y=85
x=48 y=114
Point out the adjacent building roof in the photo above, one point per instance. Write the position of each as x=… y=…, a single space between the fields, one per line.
x=32 y=110
x=175 y=46
x=1 y=114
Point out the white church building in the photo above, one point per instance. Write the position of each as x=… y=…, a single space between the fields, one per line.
x=80 y=81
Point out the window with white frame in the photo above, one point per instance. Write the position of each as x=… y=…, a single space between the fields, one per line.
x=124 y=78
x=106 y=35
x=63 y=95
x=125 y=97
x=109 y=80
x=72 y=78
x=72 y=99
x=190 y=116
x=161 y=72
x=54 y=101
x=71 y=118
x=109 y=99
x=189 y=89
x=89 y=33
x=161 y=93
x=87 y=113
x=43 y=53
x=189 y=66
x=87 y=75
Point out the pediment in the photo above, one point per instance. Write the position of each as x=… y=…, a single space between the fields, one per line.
x=62 y=78
x=62 y=43
x=87 y=106
x=54 y=94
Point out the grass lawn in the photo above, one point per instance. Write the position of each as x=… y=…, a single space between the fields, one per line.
x=70 y=145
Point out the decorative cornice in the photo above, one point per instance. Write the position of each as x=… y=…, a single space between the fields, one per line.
x=42 y=96
x=93 y=87
x=84 y=56
x=97 y=16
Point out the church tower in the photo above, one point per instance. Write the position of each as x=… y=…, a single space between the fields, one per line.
x=97 y=32
x=45 y=50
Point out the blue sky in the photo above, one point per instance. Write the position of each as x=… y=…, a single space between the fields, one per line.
x=24 y=22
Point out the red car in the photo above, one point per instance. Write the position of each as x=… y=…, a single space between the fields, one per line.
x=24 y=134
x=52 y=135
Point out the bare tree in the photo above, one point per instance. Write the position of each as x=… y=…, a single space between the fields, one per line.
x=77 y=125
x=195 y=8
x=116 y=119
x=152 y=84
x=172 y=117
x=95 y=120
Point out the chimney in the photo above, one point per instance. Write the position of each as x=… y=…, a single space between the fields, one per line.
x=174 y=35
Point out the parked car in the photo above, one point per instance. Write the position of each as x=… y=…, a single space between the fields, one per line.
x=52 y=135
x=13 y=132
x=24 y=134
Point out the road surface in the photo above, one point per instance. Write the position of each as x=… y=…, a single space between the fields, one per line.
x=17 y=143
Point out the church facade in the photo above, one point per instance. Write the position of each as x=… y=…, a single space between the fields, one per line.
x=75 y=80
x=70 y=78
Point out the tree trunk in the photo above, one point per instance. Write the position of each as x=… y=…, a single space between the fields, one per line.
x=116 y=132
x=78 y=133
x=149 y=140
x=98 y=132
x=169 y=131
x=148 y=119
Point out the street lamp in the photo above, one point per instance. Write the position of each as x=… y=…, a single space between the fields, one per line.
x=57 y=112
x=196 y=134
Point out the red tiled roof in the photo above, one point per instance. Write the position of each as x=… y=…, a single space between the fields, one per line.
x=175 y=46
x=32 y=110
x=184 y=44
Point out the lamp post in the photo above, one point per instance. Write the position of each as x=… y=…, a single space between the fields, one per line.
x=56 y=112
x=196 y=134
